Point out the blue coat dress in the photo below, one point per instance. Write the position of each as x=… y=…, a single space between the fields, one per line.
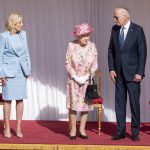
x=14 y=64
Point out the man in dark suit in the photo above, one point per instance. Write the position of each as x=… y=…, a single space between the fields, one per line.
x=126 y=59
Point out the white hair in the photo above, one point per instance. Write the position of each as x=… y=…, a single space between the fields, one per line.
x=124 y=11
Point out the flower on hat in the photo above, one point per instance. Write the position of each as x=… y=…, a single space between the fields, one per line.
x=82 y=29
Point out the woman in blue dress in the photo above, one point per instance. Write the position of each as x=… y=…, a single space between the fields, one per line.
x=14 y=69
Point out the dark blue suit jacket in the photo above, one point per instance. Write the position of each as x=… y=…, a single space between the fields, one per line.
x=132 y=57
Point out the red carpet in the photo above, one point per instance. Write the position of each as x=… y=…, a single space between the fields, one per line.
x=56 y=132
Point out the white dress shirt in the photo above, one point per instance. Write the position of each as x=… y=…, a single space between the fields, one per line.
x=126 y=28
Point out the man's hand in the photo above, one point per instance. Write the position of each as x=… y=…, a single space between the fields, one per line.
x=137 y=78
x=113 y=76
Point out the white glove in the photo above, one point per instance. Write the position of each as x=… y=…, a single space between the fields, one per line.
x=80 y=80
x=84 y=79
x=77 y=79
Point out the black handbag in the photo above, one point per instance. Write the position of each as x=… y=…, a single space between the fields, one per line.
x=91 y=91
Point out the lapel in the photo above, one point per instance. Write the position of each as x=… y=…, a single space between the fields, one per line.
x=129 y=35
x=13 y=43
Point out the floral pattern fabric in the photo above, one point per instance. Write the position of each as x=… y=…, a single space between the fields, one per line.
x=80 y=61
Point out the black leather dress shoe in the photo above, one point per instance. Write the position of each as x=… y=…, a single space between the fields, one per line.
x=83 y=136
x=72 y=137
x=135 y=138
x=118 y=137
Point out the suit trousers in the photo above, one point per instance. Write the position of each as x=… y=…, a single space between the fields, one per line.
x=123 y=87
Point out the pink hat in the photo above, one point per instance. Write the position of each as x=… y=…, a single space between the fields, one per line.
x=82 y=29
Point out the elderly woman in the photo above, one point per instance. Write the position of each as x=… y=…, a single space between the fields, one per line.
x=14 y=69
x=81 y=62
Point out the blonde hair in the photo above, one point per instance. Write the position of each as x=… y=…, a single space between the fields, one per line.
x=12 y=20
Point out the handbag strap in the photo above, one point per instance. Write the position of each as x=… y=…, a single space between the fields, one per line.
x=91 y=80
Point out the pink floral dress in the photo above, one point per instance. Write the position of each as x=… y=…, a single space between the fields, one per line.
x=80 y=61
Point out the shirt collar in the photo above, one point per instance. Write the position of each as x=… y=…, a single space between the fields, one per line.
x=127 y=25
